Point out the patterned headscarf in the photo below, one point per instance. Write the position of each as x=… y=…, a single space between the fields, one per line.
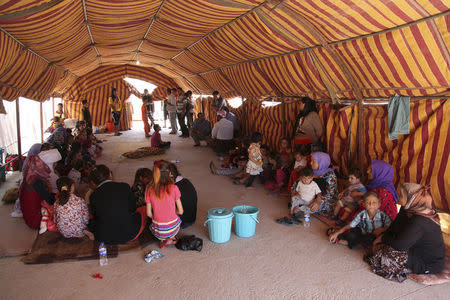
x=34 y=150
x=323 y=160
x=419 y=201
x=382 y=177
x=36 y=169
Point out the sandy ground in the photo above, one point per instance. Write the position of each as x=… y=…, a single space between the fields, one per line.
x=278 y=262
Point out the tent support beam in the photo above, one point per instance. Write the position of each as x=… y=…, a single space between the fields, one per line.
x=29 y=11
x=86 y=22
x=148 y=30
x=19 y=136
x=283 y=120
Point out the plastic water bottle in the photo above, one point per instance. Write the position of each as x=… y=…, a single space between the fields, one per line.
x=102 y=254
x=307 y=221
x=175 y=161
x=120 y=157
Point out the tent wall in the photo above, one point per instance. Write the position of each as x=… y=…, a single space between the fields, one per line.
x=98 y=104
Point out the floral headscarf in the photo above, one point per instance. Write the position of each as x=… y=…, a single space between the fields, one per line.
x=419 y=201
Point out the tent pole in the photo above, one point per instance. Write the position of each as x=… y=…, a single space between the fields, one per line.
x=42 y=122
x=360 y=135
x=53 y=107
x=283 y=114
x=19 y=139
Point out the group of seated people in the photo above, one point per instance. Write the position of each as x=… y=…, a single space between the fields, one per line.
x=396 y=243
x=75 y=197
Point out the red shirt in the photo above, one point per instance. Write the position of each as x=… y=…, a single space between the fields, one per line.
x=156 y=139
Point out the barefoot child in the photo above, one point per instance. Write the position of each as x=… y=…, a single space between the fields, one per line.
x=255 y=162
x=71 y=212
x=141 y=179
x=350 y=197
x=163 y=205
x=306 y=193
x=366 y=226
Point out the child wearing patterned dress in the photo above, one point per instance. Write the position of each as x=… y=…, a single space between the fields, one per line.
x=71 y=212
x=255 y=161
x=365 y=226
x=163 y=205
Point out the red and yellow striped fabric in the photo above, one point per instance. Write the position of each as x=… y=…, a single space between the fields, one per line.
x=420 y=157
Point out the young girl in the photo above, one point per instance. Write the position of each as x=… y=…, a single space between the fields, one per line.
x=255 y=162
x=285 y=147
x=141 y=179
x=161 y=197
x=71 y=212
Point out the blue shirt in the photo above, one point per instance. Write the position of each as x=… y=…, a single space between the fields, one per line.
x=363 y=221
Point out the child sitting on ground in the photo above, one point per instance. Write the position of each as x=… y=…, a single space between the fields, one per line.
x=307 y=194
x=156 y=139
x=349 y=198
x=141 y=179
x=163 y=205
x=285 y=147
x=365 y=226
x=71 y=212
x=255 y=162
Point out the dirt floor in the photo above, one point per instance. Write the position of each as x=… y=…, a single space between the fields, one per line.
x=278 y=262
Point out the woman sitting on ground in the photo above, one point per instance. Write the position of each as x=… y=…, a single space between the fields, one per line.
x=188 y=197
x=71 y=212
x=34 y=189
x=413 y=243
x=141 y=179
x=381 y=175
x=326 y=179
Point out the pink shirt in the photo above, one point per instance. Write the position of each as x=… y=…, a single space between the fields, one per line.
x=164 y=208
x=156 y=139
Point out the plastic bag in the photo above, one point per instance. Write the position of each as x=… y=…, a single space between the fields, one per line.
x=190 y=242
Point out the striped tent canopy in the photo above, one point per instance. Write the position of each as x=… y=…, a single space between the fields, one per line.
x=251 y=48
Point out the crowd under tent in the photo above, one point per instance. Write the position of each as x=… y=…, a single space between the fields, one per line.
x=349 y=56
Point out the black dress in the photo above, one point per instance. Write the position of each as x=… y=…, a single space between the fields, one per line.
x=113 y=206
x=189 y=201
x=423 y=240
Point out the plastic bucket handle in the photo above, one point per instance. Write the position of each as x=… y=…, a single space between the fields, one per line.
x=204 y=224
x=255 y=219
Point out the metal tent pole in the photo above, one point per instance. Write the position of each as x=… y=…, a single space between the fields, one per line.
x=19 y=139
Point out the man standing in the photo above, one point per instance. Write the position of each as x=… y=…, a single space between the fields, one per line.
x=147 y=98
x=116 y=108
x=181 y=113
x=218 y=103
x=201 y=130
x=86 y=114
x=222 y=134
x=172 y=109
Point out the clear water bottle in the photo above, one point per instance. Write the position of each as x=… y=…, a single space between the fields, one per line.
x=102 y=254
x=307 y=220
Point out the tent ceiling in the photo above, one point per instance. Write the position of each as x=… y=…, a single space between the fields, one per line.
x=247 y=47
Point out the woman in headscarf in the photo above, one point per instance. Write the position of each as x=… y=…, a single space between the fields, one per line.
x=326 y=180
x=308 y=127
x=381 y=176
x=35 y=188
x=34 y=150
x=413 y=243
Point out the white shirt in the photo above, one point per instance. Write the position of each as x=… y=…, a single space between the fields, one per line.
x=307 y=192
x=223 y=130
x=171 y=103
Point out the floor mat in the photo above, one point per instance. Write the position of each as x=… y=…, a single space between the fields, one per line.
x=120 y=148
x=16 y=237
x=52 y=247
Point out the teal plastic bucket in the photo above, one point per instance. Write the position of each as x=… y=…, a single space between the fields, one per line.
x=245 y=221
x=219 y=224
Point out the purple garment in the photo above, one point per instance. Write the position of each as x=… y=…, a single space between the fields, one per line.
x=323 y=160
x=382 y=177
x=34 y=150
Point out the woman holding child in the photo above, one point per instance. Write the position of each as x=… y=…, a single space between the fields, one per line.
x=327 y=181
x=413 y=243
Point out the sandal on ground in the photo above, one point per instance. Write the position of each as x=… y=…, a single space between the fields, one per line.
x=296 y=221
x=285 y=221
x=330 y=231
x=211 y=168
x=167 y=243
x=237 y=182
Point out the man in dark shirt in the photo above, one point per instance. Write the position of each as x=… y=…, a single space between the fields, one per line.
x=113 y=206
x=86 y=114
x=201 y=129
